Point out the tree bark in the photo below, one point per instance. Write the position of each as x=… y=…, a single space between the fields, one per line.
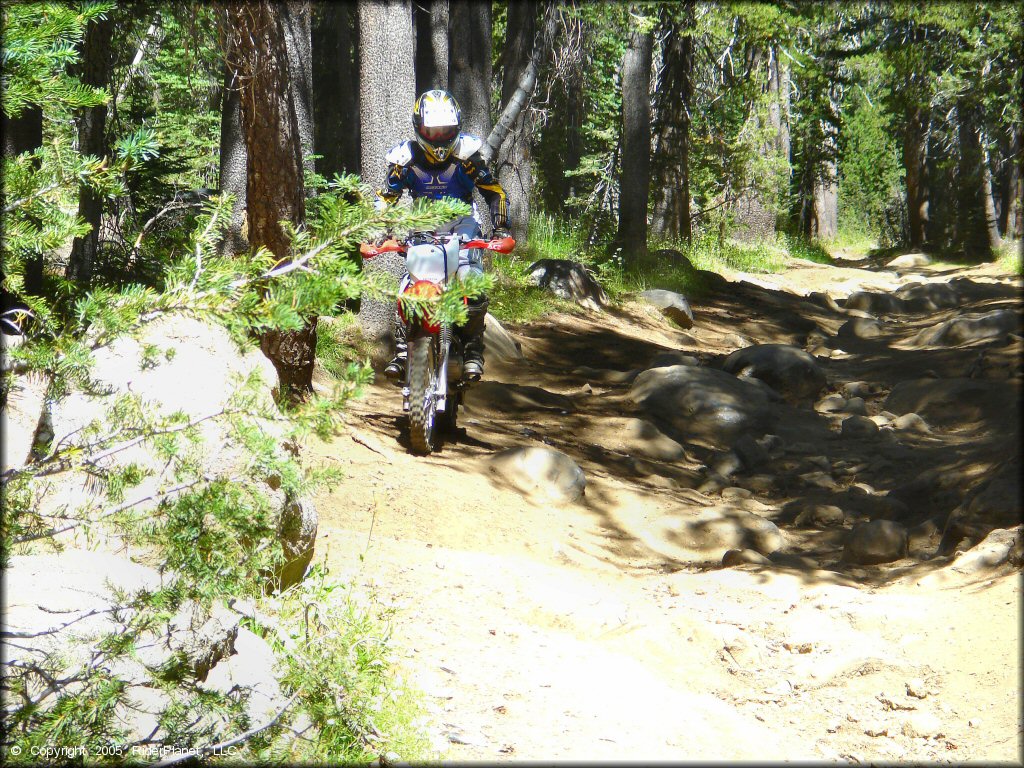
x=825 y=221
x=671 y=171
x=387 y=91
x=431 y=20
x=274 y=185
x=514 y=164
x=634 y=182
x=335 y=95
x=233 y=163
x=96 y=64
x=914 y=166
x=1009 y=200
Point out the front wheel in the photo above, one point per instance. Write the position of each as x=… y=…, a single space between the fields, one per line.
x=422 y=394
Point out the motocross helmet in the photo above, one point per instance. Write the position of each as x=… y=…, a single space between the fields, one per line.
x=436 y=118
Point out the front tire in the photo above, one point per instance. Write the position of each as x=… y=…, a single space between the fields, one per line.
x=422 y=394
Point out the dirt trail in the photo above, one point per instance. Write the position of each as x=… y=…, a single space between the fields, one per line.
x=585 y=632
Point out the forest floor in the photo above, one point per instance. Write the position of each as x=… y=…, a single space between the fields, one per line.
x=586 y=632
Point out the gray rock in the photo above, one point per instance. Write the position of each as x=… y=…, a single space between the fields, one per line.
x=642 y=437
x=1003 y=545
x=541 y=474
x=878 y=541
x=250 y=670
x=734 y=557
x=860 y=328
x=909 y=261
x=859 y=427
x=923 y=539
x=734 y=492
x=921 y=724
x=750 y=452
x=875 y=303
x=500 y=343
x=673 y=305
x=861 y=389
x=817 y=515
x=569 y=280
x=856 y=405
x=968 y=328
x=792 y=372
x=702 y=405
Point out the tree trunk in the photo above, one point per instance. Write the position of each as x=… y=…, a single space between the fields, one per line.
x=387 y=91
x=96 y=63
x=991 y=219
x=1009 y=201
x=514 y=165
x=274 y=184
x=671 y=173
x=825 y=221
x=335 y=95
x=914 y=157
x=431 y=19
x=972 y=224
x=297 y=23
x=634 y=183
x=24 y=133
x=469 y=75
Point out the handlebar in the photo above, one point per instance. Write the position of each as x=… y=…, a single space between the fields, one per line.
x=500 y=245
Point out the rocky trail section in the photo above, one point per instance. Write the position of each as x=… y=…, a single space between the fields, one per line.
x=845 y=438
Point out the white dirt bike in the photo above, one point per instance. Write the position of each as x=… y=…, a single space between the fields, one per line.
x=433 y=385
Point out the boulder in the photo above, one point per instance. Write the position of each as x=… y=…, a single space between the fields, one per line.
x=875 y=303
x=728 y=527
x=297 y=526
x=995 y=502
x=251 y=668
x=792 y=372
x=176 y=365
x=813 y=514
x=878 y=541
x=543 y=475
x=641 y=437
x=833 y=403
x=928 y=297
x=499 y=343
x=999 y=547
x=858 y=427
x=909 y=261
x=702 y=405
x=734 y=557
x=673 y=357
x=860 y=328
x=673 y=305
x=911 y=422
x=569 y=280
x=969 y=328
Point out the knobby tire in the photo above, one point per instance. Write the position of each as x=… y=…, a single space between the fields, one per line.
x=422 y=394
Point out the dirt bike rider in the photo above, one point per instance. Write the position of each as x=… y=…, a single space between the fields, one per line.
x=443 y=162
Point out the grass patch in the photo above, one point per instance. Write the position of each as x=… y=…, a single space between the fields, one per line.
x=1010 y=256
x=340 y=344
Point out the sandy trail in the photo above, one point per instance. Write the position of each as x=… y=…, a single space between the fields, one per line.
x=584 y=632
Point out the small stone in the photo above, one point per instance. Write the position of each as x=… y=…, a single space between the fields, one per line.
x=819 y=515
x=876 y=729
x=857 y=406
x=735 y=492
x=974 y=722
x=860 y=389
x=879 y=541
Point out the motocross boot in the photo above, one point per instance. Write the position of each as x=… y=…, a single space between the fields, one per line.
x=473 y=340
x=395 y=370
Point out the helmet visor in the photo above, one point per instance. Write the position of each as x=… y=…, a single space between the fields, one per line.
x=441 y=134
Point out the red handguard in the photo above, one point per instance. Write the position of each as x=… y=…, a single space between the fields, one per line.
x=369 y=250
x=501 y=245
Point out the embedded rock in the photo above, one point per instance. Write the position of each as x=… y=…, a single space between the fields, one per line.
x=541 y=474
x=860 y=328
x=673 y=305
x=879 y=541
x=569 y=280
x=875 y=303
x=702 y=404
x=968 y=328
x=792 y=372
x=500 y=343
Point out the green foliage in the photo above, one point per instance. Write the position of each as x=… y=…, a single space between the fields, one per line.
x=337 y=662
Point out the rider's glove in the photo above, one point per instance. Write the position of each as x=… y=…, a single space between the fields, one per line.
x=500 y=232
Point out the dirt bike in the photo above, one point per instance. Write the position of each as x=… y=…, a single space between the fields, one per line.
x=433 y=385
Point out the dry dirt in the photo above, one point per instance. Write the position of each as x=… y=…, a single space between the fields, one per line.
x=585 y=632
